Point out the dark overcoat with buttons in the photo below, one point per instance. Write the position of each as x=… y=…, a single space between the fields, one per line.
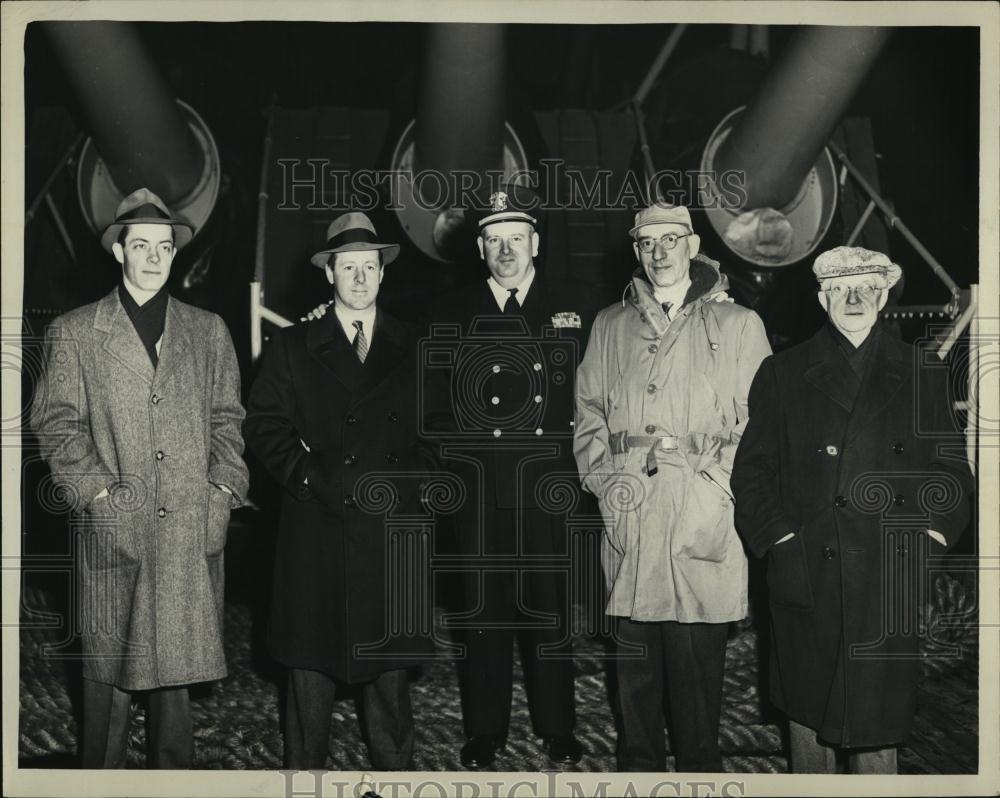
x=351 y=591
x=859 y=479
x=151 y=553
x=503 y=397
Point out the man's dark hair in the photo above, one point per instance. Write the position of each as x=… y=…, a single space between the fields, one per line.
x=123 y=234
x=331 y=261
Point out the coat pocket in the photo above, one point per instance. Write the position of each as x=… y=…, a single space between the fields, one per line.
x=220 y=505
x=705 y=528
x=788 y=581
x=106 y=535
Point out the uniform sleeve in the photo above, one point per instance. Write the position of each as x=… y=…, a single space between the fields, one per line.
x=753 y=348
x=225 y=458
x=591 y=434
x=760 y=518
x=60 y=417
x=269 y=427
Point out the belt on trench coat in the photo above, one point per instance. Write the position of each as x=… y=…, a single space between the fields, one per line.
x=694 y=442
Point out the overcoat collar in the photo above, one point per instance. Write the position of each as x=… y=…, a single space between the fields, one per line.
x=326 y=341
x=122 y=342
x=884 y=376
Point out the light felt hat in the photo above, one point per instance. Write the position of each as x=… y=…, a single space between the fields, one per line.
x=142 y=206
x=846 y=261
x=353 y=232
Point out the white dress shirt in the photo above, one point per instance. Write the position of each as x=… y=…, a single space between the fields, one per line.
x=500 y=293
x=347 y=316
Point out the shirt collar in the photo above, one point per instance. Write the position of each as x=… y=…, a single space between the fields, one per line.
x=673 y=294
x=347 y=316
x=500 y=293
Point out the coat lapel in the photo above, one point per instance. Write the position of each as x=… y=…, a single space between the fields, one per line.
x=174 y=345
x=385 y=354
x=824 y=372
x=884 y=377
x=121 y=340
x=327 y=342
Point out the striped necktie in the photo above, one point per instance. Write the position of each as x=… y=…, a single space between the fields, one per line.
x=666 y=308
x=360 y=342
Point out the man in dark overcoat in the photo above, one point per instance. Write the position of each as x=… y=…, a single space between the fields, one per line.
x=845 y=481
x=138 y=415
x=331 y=416
x=504 y=410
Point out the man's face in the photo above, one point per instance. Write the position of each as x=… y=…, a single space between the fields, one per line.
x=146 y=255
x=665 y=267
x=355 y=277
x=508 y=249
x=853 y=302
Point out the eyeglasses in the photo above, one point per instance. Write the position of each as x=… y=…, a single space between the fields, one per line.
x=838 y=291
x=666 y=242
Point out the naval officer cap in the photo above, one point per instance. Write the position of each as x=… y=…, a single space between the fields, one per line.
x=513 y=203
x=849 y=261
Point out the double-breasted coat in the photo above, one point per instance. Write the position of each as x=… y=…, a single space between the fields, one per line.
x=503 y=397
x=351 y=595
x=858 y=478
x=151 y=552
x=670 y=552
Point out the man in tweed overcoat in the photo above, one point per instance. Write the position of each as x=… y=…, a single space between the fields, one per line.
x=138 y=415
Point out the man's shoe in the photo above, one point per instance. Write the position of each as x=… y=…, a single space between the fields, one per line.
x=479 y=752
x=563 y=750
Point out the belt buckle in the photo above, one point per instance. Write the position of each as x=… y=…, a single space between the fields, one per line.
x=668 y=442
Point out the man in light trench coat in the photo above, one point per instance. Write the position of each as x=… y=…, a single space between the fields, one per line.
x=661 y=404
x=850 y=473
x=138 y=415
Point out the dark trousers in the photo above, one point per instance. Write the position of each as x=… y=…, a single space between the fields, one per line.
x=169 y=731
x=684 y=663
x=384 y=712
x=523 y=605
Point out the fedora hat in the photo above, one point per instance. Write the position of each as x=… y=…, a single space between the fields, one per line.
x=353 y=232
x=144 y=207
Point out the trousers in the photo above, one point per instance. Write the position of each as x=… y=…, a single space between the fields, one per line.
x=106 y=714
x=384 y=712
x=810 y=755
x=682 y=663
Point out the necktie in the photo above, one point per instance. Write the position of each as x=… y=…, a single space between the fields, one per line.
x=666 y=308
x=511 y=305
x=360 y=342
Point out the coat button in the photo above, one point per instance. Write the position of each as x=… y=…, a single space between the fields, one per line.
x=351 y=420
x=351 y=459
x=650 y=429
x=840 y=501
x=898 y=500
x=162 y=512
x=155 y=399
x=650 y=389
x=349 y=501
x=828 y=553
x=393 y=416
x=653 y=349
x=897 y=447
x=392 y=458
x=160 y=455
